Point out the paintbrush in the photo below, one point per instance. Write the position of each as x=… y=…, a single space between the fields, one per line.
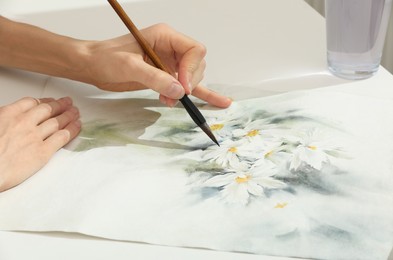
x=192 y=110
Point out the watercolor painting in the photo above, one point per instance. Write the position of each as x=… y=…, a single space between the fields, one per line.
x=293 y=176
x=260 y=152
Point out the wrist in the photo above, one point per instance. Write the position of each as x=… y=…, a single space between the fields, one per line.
x=76 y=57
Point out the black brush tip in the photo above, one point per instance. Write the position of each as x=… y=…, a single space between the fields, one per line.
x=209 y=132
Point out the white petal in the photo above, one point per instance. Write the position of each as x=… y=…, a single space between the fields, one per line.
x=240 y=166
x=221 y=158
x=261 y=163
x=315 y=158
x=279 y=157
x=254 y=188
x=265 y=170
x=239 y=132
x=270 y=183
x=210 y=154
x=249 y=154
x=236 y=193
x=295 y=163
x=219 y=180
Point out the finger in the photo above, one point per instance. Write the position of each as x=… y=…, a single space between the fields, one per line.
x=46 y=100
x=24 y=104
x=45 y=111
x=188 y=52
x=27 y=103
x=168 y=101
x=171 y=102
x=198 y=76
x=62 y=137
x=54 y=124
x=163 y=99
x=157 y=80
x=191 y=64
x=212 y=97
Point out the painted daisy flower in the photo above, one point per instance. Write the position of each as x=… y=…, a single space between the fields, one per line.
x=272 y=152
x=239 y=186
x=222 y=128
x=230 y=153
x=313 y=150
x=257 y=129
x=222 y=124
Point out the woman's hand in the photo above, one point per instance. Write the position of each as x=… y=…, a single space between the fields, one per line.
x=31 y=131
x=117 y=64
x=120 y=65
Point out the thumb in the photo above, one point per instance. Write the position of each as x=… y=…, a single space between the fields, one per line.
x=158 y=80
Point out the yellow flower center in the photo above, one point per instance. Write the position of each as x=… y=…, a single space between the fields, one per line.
x=232 y=150
x=268 y=153
x=216 y=127
x=252 y=133
x=312 y=147
x=281 y=205
x=242 y=179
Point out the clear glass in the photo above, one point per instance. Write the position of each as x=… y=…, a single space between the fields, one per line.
x=356 y=31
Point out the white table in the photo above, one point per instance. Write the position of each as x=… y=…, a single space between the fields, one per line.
x=270 y=46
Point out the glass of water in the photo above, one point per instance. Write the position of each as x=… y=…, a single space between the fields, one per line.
x=356 y=31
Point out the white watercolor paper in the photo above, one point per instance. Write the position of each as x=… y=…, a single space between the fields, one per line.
x=304 y=174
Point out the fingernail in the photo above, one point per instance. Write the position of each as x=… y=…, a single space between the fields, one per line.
x=189 y=84
x=163 y=100
x=176 y=91
x=172 y=103
x=67 y=100
x=78 y=123
x=74 y=110
x=190 y=88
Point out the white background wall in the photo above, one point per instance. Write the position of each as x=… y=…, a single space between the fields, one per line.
x=387 y=58
x=27 y=6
